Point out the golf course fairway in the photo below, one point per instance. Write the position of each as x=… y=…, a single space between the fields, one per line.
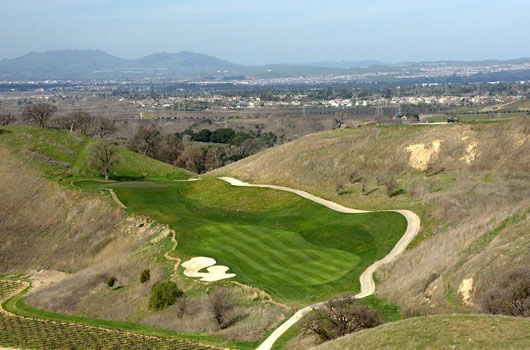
x=296 y=250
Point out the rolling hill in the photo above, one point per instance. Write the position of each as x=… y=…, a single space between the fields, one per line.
x=456 y=332
x=183 y=61
x=469 y=184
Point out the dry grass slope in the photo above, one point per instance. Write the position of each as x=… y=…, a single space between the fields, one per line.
x=440 y=332
x=469 y=183
x=46 y=227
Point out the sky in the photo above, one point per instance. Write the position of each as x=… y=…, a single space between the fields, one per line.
x=272 y=31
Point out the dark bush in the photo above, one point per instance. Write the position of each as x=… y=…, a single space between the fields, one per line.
x=111 y=281
x=340 y=317
x=145 y=276
x=202 y=136
x=222 y=135
x=163 y=295
x=510 y=296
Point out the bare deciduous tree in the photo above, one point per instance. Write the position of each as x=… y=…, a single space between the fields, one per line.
x=510 y=296
x=104 y=155
x=6 y=119
x=146 y=140
x=390 y=185
x=340 y=317
x=198 y=158
x=80 y=122
x=182 y=306
x=364 y=184
x=39 y=114
x=221 y=304
x=379 y=178
x=103 y=127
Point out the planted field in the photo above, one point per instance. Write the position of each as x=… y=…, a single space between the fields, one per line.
x=30 y=333
x=296 y=250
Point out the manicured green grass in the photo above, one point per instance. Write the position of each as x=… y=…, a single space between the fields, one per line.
x=61 y=155
x=296 y=250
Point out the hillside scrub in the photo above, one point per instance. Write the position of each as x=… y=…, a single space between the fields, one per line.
x=463 y=180
x=511 y=296
x=340 y=317
x=45 y=227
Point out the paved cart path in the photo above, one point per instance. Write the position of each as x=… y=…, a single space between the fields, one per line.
x=367 y=277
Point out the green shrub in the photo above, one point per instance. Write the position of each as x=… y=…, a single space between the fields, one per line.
x=112 y=281
x=145 y=276
x=163 y=295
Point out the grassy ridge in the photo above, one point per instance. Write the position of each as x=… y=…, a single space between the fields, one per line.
x=60 y=154
x=458 y=332
x=296 y=250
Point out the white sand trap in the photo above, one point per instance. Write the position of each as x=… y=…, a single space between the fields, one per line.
x=215 y=272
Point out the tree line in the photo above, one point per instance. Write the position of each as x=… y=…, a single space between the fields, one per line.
x=196 y=151
x=199 y=151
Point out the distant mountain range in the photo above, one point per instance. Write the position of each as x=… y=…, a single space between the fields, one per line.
x=75 y=64
x=345 y=64
x=96 y=64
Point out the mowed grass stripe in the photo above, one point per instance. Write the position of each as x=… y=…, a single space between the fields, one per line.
x=250 y=260
x=264 y=266
x=279 y=241
x=263 y=273
x=323 y=266
x=254 y=257
x=299 y=268
x=283 y=252
x=259 y=247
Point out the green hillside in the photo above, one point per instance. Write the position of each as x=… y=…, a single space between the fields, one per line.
x=296 y=250
x=456 y=332
x=61 y=155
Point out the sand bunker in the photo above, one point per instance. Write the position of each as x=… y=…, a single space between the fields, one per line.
x=215 y=272
x=421 y=156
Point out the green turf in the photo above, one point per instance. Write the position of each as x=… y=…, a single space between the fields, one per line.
x=60 y=154
x=296 y=250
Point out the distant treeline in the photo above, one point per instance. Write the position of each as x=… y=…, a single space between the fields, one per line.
x=199 y=151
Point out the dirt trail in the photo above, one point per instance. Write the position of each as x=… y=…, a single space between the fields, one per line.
x=367 y=277
x=169 y=257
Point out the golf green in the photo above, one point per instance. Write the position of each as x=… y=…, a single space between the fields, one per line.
x=296 y=250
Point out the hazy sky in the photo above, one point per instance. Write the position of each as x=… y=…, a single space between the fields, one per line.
x=272 y=31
